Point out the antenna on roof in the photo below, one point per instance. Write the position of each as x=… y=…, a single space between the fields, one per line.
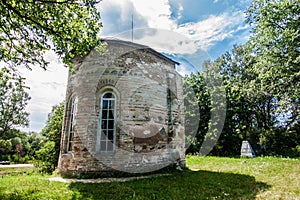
x=131 y=27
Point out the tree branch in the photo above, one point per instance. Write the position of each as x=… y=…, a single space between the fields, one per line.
x=57 y=2
x=29 y=19
x=64 y=2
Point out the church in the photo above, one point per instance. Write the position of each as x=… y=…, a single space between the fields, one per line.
x=124 y=112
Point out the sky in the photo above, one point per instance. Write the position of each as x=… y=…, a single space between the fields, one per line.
x=188 y=31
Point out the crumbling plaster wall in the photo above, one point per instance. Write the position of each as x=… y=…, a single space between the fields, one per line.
x=150 y=129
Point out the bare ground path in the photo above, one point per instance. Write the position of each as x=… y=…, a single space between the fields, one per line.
x=74 y=180
x=17 y=166
x=101 y=180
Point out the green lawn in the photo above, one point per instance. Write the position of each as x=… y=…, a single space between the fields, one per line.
x=280 y=176
x=207 y=178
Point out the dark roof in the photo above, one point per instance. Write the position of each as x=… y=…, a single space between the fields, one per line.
x=139 y=46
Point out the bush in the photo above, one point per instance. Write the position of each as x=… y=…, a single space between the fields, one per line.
x=46 y=157
x=281 y=142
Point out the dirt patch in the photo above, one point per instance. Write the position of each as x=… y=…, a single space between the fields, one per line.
x=101 y=180
x=17 y=166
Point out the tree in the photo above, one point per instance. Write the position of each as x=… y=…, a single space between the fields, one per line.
x=13 y=100
x=261 y=81
x=250 y=113
x=197 y=103
x=34 y=140
x=15 y=146
x=47 y=158
x=30 y=27
x=275 y=42
x=205 y=103
x=248 y=110
x=5 y=148
x=53 y=127
x=49 y=153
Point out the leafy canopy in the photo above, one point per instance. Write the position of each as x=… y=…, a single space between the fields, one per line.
x=13 y=100
x=30 y=27
x=49 y=153
x=275 y=42
x=262 y=81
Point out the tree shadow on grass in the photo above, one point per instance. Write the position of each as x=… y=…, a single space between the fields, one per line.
x=179 y=185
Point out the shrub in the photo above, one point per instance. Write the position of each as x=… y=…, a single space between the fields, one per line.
x=46 y=158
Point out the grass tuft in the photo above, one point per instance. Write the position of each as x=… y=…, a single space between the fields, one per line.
x=205 y=178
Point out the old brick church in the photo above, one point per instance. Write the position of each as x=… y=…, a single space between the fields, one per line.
x=123 y=112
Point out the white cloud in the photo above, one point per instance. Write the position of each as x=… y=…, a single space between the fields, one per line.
x=168 y=36
x=116 y=17
x=183 y=70
x=157 y=13
x=180 y=10
x=47 y=88
x=123 y=7
x=167 y=41
x=154 y=27
x=211 y=30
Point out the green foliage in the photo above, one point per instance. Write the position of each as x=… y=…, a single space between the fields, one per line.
x=262 y=81
x=208 y=178
x=28 y=28
x=217 y=93
x=278 y=141
x=47 y=158
x=15 y=147
x=197 y=111
x=13 y=100
x=35 y=141
x=275 y=41
x=252 y=113
x=234 y=67
x=5 y=147
x=48 y=155
x=205 y=104
x=52 y=129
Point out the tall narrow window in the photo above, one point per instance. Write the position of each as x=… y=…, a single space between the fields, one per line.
x=72 y=123
x=107 y=122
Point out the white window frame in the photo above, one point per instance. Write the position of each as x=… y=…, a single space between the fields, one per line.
x=103 y=140
x=72 y=123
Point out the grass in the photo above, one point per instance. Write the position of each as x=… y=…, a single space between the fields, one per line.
x=282 y=175
x=207 y=178
x=16 y=171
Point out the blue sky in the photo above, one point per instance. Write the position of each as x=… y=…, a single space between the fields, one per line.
x=190 y=30
x=186 y=30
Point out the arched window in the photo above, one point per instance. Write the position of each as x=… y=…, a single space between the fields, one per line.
x=72 y=122
x=107 y=123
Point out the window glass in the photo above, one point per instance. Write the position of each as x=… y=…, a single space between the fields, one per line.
x=72 y=123
x=107 y=121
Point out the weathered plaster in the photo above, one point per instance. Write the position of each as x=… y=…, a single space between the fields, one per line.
x=150 y=120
